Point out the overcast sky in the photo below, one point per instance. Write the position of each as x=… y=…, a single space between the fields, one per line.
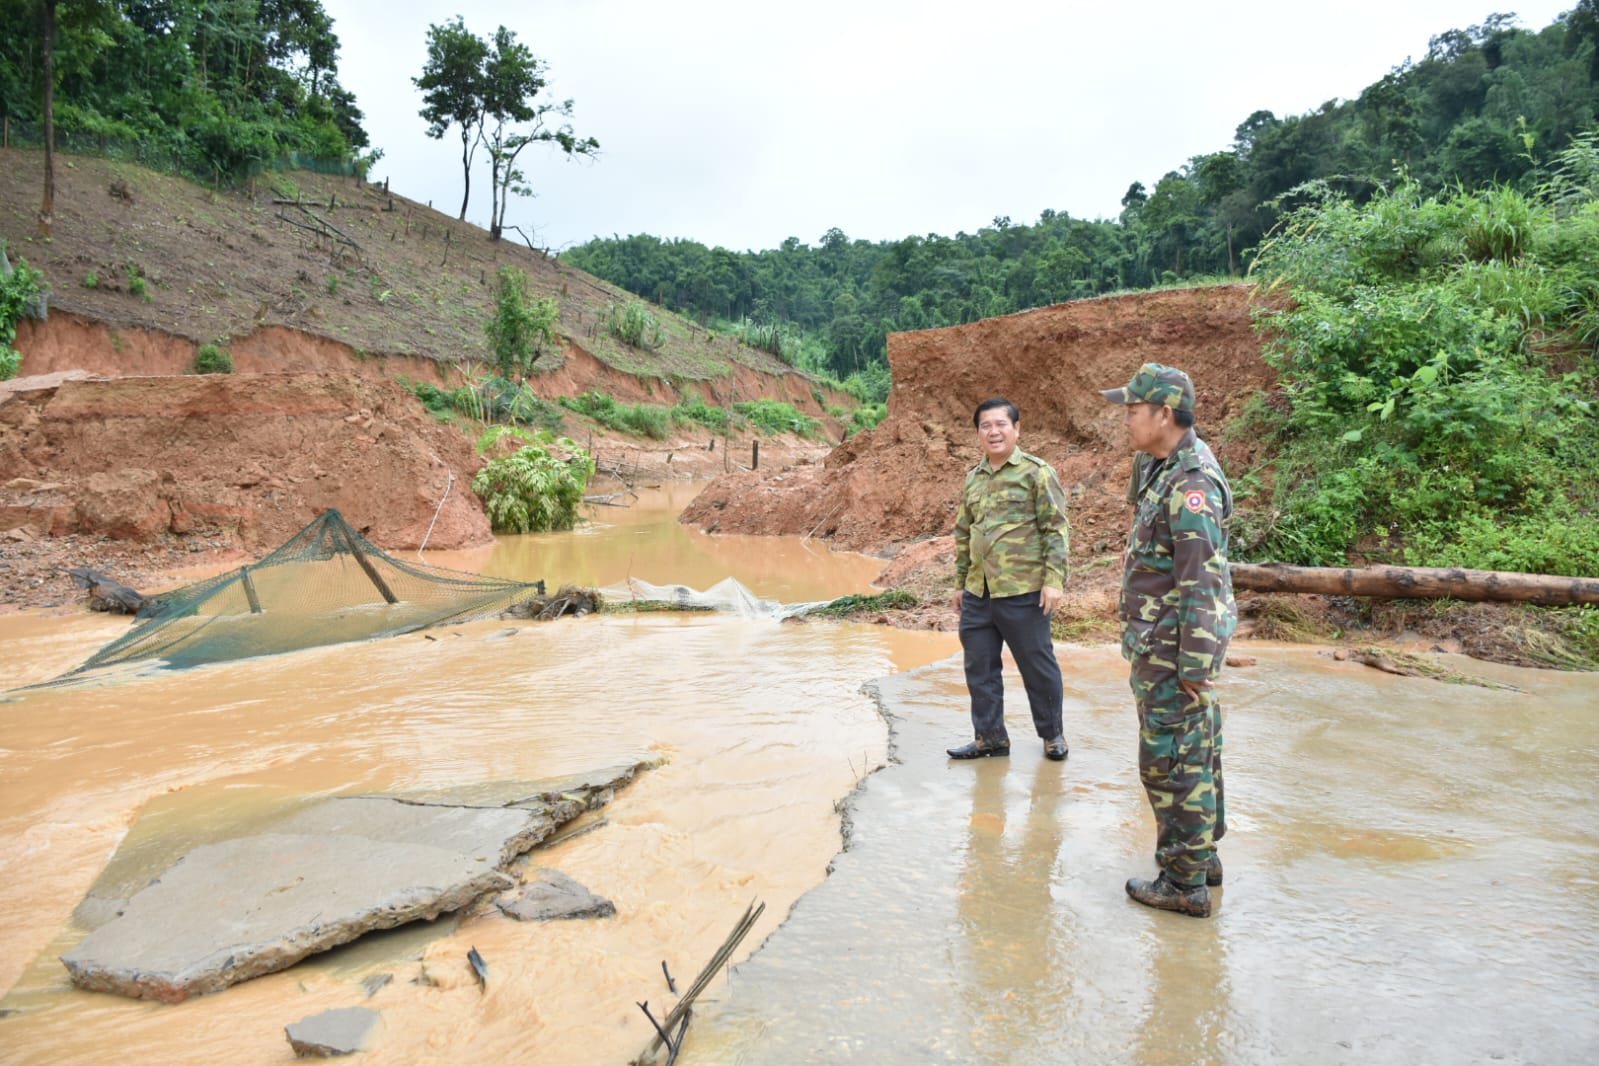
x=742 y=123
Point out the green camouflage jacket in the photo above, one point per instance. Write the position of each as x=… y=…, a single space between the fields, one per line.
x=1177 y=594
x=1010 y=531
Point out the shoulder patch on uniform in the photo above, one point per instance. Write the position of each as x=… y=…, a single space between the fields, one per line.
x=1194 y=501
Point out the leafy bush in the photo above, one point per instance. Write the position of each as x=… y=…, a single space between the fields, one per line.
x=536 y=488
x=866 y=416
x=696 y=410
x=137 y=285
x=213 y=359
x=776 y=416
x=1423 y=344
x=21 y=290
x=635 y=325
x=522 y=326
x=641 y=420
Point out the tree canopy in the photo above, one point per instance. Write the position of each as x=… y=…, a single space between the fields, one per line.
x=1489 y=103
x=219 y=85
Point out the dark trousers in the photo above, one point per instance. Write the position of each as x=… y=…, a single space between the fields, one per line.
x=989 y=622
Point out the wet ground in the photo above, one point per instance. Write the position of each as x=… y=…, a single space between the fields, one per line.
x=1410 y=871
x=1410 y=877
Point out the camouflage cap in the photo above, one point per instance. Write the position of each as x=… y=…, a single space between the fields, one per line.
x=1154 y=383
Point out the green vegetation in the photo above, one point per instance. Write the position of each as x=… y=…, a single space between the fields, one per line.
x=1492 y=102
x=91 y=280
x=536 y=488
x=866 y=417
x=21 y=288
x=213 y=359
x=489 y=89
x=491 y=399
x=640 y=419
x=137 y=285
x=777 y=416
x=696 y=410
x=1438 y=356
x=844 y=606
x=213 y=91
x=522 y=326
x=634 y=325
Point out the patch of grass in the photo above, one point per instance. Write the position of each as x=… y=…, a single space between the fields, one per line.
x=777 y=416
x=641 y=419
x=213 y=359
x=91 y=280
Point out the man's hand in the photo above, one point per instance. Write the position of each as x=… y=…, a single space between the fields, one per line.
x=1049 y=599
x=955 y=600
x=1194 y=688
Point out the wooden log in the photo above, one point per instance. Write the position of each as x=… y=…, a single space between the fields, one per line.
x=106 y=594
x=1417 y=582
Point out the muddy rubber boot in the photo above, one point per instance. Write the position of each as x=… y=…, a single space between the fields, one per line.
x=1213 y=871
x=1163 y=895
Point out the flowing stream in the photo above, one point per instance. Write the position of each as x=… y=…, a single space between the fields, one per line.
x=1410 y=862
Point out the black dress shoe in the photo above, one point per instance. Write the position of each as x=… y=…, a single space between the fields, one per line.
x=1055 y=750
x=977 y=750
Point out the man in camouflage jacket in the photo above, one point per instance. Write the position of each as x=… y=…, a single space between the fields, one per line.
x=1177 y=615
x=1010 y=575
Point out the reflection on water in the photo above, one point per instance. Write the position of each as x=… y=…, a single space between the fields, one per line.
x=1408 y=880
x=763 y=726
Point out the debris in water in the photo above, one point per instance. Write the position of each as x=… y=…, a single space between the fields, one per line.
x=479 y=968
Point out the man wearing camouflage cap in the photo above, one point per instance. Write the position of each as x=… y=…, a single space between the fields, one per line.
x=1010 y=575
x=1177 y=615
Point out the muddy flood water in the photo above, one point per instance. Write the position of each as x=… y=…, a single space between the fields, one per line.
x=1410 y=872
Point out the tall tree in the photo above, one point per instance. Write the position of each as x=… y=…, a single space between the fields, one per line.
x=512 y=79
x=452 y=91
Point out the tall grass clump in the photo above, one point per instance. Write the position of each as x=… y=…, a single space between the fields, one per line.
x=641 y=419
x=635 y=325
x=777 y=416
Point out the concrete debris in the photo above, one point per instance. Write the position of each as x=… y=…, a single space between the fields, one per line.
x=333 y=1032
x=554 y=895
x=319 y=877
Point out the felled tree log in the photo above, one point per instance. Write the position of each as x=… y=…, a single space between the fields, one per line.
x=1417 y=582
x=106 y=594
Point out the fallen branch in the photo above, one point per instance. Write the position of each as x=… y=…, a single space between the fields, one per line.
x=680 y=1013
x=1408 y=664
x=1417 y=582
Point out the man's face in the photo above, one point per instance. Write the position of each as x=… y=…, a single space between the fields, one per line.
x=1146 y=425
x=996 y=434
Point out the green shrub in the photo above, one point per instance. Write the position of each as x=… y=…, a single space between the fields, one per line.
x=522 y=326
x=213 y=359
x=1432 y=419
x=776 y=416
x=641 y=420
x=635 y=325
x=22 y=289
x=536 y=488
x=137 y=285
x=867 y=416
x=91 y=280
x=696 y=410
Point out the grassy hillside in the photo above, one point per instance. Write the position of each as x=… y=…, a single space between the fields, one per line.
x=131 y=247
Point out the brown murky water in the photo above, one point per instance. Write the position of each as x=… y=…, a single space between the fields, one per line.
x=1410 y=873
x=763 y=726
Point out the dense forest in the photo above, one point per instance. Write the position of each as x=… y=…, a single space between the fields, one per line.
x=208 y=88
x=1493 y=103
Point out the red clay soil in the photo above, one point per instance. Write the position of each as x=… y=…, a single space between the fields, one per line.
x=112 y=458
x=893 y=491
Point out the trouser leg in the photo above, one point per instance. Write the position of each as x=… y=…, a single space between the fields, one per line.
x=1025 y=629
x=981 y=642
x=1177 y=760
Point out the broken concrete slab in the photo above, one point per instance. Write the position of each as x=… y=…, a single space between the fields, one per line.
x=231 y=911
x=333 y=1032
x=317 y=877
x=554 y=895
